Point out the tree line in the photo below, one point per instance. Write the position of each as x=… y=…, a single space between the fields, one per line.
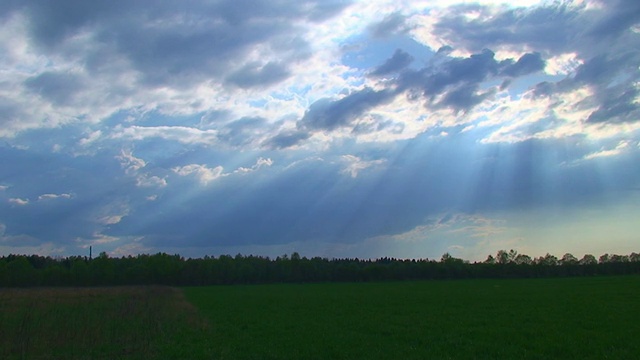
x=165 y=269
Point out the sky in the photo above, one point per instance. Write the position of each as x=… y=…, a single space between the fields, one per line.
x=331 y=128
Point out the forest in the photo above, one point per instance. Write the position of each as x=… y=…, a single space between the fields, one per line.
x=174 y=270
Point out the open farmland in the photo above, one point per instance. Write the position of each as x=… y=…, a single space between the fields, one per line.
x=568 y=318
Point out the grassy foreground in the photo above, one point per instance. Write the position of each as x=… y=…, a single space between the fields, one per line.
x=572 y=318
x=99 y=323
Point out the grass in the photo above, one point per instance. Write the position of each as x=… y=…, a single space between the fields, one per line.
x=573 y=318
x=576 y=318
x=97 y=323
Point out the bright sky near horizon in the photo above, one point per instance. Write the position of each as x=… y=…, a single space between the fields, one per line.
x=332 y=128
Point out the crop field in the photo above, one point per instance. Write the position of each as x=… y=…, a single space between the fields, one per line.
x=569 y=318
x=572 y=318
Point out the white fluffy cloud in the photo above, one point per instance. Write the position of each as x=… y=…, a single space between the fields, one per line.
x=621 y=147
x=54 y=196
x=19 y=201
x=354 y=164
x=204 y=174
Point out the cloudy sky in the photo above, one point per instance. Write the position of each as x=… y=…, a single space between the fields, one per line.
x=332 y=128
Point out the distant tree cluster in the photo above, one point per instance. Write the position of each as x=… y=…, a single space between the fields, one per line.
x=164 y=269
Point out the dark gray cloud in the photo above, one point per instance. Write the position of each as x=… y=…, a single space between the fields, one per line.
x=618 y=105
x=612 y=79
x=182 y=53
x=51 y=23
x=179 y=42
x=527 y=64
x=287 y=139
x=318 y=10
x=551 y=28
x=468 y=71
x=455 y=82
x=395 y=63
x=458 y=79
x=444 y=50
x=380 y=124
x=327 y=114
x=59 y=88
x=392 y=24
x=464 y=98
x=241 y=131
x=545 y=88
x=9 y=111
x=620 y=15
x=602 y=69
x=599 y=35
x=256 y=74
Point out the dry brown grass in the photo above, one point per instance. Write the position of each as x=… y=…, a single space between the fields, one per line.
x=100 y=322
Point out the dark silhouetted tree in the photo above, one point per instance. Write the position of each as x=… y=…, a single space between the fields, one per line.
x=588 y=259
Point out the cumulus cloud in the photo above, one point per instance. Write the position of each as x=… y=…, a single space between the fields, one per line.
x=553 y=29
x=621 y=147
x=548 y=27
x=397 y=62
x=207 y=174
x=328 y=114
x=92 y=137
x=462 y=84
x=355 y=165
x=256 y=74
x=526 y=64
x=182 y=64
x=54 y=196
x=261 y=162
x=619 y=17
x=113 y=212
x=563 y=64
x=133 y=166
x=87 y=63
x=19 y=201
x=175 y=41
x=245 y=132
x=59 y=88
x=344 y=121
x=204 y=174
x=130 y=163
x=455 y=82
x=183 y=134
x=150 y=181
x=287 y=138
x=392 y=24
x=618 y=104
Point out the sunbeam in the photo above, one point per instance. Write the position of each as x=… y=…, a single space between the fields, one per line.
x=351 y=128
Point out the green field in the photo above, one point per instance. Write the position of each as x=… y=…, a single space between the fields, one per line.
x=570 y=318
